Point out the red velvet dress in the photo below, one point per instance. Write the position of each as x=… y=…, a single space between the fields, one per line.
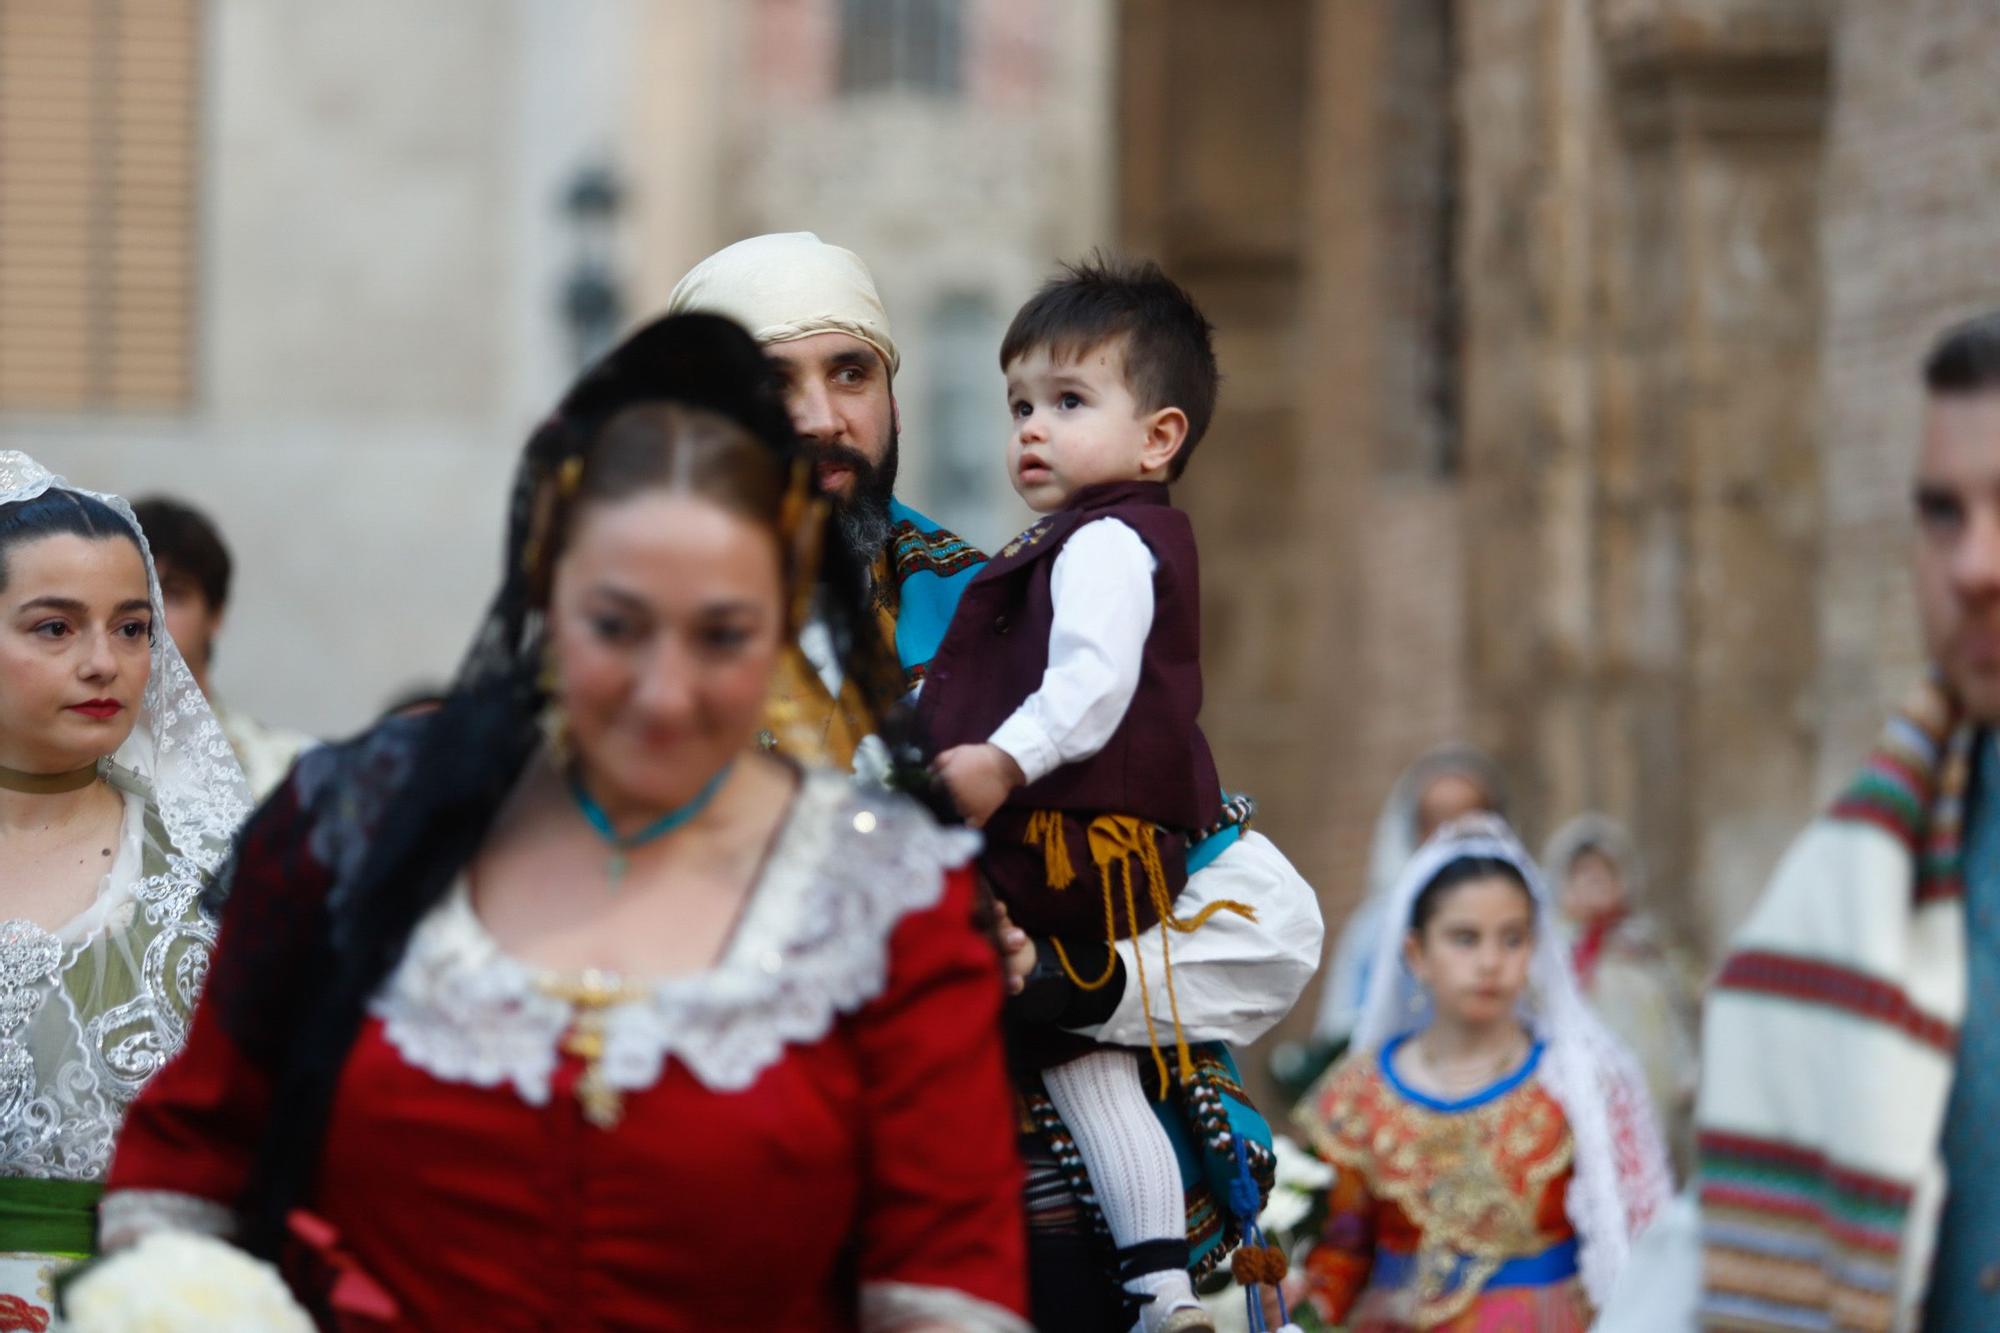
x=816 y=1134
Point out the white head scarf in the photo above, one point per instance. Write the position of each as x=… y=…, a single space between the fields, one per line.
x=177 y=752
x=1621 y=1179
x=789 y=285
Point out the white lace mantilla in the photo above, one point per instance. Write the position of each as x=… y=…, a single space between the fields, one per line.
x=813 y=944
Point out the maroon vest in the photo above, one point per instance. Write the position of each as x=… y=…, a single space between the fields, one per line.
x=1156 y=765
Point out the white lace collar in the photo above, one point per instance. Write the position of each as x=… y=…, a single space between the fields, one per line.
x=812 y=945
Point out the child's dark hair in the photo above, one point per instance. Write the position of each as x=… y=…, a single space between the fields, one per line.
x=1169 y=344
x=56 y=512
x=186 y=539
x=1455 y=874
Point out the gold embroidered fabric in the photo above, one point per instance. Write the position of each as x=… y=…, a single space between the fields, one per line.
x=1472 y=1182
x=805 y=722
x=802 y=718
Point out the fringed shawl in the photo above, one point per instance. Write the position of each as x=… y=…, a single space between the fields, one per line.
x=1829 y=1047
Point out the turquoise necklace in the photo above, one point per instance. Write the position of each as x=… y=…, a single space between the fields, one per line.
x=622 y=846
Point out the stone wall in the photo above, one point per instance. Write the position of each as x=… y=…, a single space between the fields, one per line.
x=1642 y=472
x=1908 y=242
x=1615 y=483
x=1288 y=161
x=1384 y=394
x=960 y=203
x=1211 y=155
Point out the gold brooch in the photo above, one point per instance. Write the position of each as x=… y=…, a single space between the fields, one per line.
x=1029 y=538
x=591 y=994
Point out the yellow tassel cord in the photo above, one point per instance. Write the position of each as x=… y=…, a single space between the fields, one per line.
x=1045 y=830
x=1118 y=841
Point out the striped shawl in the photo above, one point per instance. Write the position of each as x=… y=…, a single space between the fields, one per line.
x=1829 y=1045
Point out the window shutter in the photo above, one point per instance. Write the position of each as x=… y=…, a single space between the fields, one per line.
x=98 y=137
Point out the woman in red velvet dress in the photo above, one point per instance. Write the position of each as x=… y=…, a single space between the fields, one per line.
x=568 y=1006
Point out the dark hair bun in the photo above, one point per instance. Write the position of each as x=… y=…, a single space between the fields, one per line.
x=700 y=360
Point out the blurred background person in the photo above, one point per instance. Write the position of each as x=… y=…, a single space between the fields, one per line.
x=195 y=571
x=1627 y=968
x=1446 y=784
x=1850 y=1079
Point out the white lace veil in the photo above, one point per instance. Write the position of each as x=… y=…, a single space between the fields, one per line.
x=177 y=751
x=97 y=1007
x=1621 y=1177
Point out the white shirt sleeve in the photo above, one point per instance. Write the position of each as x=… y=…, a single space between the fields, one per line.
x=1234 y=978
x=1102 y=586
x=816 y=643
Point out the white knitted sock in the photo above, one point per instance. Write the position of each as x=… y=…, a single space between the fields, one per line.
x=1130 y=1160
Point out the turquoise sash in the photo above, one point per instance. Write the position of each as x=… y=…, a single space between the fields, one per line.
x=925 y=598
x=1206 y=1121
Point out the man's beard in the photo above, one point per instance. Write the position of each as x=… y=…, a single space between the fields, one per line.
x=863 y=517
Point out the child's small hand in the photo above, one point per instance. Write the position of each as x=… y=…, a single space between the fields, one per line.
x=978 y=778
x=1017 y=950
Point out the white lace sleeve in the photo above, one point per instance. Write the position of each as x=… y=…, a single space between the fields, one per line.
x=888 y=1306
x=123 y=1216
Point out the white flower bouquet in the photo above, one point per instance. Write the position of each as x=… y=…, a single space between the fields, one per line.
x=1297 y=1192
x=181 y=1282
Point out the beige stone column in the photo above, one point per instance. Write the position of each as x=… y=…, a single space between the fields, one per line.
x=1641 y=286
x=1713 y=285
x=1527 y=115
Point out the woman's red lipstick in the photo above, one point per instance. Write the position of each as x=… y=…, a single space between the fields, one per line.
x=98 y=708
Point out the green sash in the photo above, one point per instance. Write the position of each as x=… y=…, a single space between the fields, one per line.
x=52 y=1217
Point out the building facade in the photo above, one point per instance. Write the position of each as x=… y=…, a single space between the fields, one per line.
x=320 y=268
x=962 y=148
x=1572 y=390
x=340 y=231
